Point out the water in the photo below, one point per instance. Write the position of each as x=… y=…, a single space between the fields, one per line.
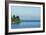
x=29 y=24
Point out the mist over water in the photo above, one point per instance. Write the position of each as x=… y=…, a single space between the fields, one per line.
x=30 y=17
x=27 y=22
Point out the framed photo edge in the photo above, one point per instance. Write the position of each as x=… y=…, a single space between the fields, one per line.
x=6 y=16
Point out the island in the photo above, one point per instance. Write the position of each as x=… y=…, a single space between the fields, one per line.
x=15 y=19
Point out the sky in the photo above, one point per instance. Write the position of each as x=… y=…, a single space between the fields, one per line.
x=26 y=12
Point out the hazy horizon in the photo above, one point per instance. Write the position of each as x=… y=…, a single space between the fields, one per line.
x=26 y=13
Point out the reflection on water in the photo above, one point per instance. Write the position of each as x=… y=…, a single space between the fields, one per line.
x=29 y=24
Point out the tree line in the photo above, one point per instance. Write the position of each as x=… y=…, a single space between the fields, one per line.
x=15 y=19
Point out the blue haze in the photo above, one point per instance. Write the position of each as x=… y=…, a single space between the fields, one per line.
x=26 y=13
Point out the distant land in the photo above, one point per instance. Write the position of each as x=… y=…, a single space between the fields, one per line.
x=30 y=20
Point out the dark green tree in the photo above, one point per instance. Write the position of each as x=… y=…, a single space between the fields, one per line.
x=14 y=17
x=18 y=17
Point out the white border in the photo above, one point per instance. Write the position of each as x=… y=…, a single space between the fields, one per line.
x=25 y=29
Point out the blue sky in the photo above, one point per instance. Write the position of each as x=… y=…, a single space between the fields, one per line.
x=25 y=11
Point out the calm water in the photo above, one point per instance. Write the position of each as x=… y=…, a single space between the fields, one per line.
x=33 y=24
